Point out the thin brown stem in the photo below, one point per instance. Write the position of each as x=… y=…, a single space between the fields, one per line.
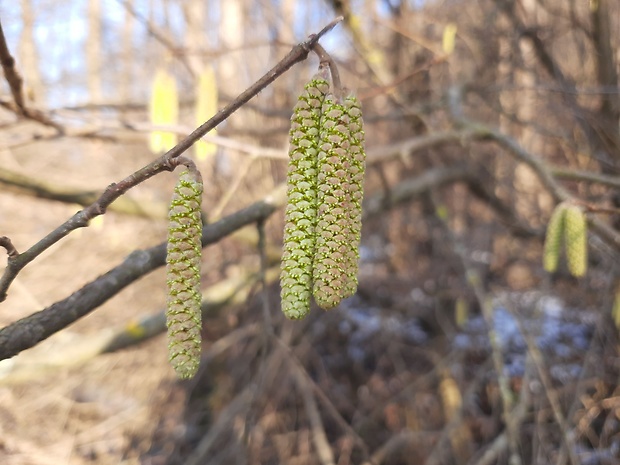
x=16 y=84
x=11 y=74
x=8 y=245
x=326 y=60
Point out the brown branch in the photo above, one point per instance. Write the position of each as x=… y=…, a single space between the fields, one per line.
x=31 y=330
x=16 y=83
x=11 y=74
x=27 y=332
x=160 y=36
x=164 y=163
x=8 y=245
x=25 y=185
x=544 y=172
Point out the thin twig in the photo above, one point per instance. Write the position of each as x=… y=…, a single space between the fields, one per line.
x=319 y=437
x=16 y=84
x=8 y=245
x=474 y=280
x=163 y=163
x=34 y=328
x=326 y=59
x=320 y=394
x=262 y=253
x=11 y=74
x=545 y=379
x=544 y=173
x=160 y=36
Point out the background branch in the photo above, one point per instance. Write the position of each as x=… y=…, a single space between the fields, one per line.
x=29 y=331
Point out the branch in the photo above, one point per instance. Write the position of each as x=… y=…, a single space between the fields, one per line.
x=43 y=189
x=11 y=74
x=166 y=162
x=29 y=331
x=8 y=245
x=543 y=171
x=16 y=83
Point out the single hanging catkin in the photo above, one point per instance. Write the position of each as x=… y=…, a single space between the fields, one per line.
x=183 y=259
x=553 y=238
x=576 y=240
x=163 y=110
x=333 y=232
x=301 y=208
x=355 y=166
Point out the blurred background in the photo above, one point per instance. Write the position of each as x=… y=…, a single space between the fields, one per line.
x=459 y=348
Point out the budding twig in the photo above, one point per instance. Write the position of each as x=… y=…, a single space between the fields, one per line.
x=8 y=245
x=164 y=163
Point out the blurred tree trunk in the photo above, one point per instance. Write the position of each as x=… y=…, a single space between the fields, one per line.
x=93 y=52
x=195 y=43
x=231 y=66
x=607 y=119
x=231 y=40
x=29 y=55
x=531 y=196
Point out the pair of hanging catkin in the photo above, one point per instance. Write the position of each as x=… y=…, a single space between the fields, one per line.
x=568 y=226
x=324 y=200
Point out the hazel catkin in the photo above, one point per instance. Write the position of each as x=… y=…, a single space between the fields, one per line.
x=576 y=240
x=554 y=238
x=333 y=228
x=183 y=259
x=301 y=208
x=356 y=161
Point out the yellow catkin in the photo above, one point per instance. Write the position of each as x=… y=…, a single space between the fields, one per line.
x=553 y=238
x=333 y=231
x=301 y=209
x=615 y=312
x=576 y=240
x=206 y=107
x=164 y=110
x=183 y=259
x=356 y=168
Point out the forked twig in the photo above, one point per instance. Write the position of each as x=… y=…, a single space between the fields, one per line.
x=11 y=74
x=8 y=245
x=319 y=437
x=16 y=84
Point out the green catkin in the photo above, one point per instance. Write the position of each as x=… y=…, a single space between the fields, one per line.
x=183 y=317
x=301 y=210
x=576 y=240
x=333 y=231
x=553 y=238
x=355 y=169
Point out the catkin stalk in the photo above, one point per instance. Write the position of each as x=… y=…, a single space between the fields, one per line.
x=183 y=259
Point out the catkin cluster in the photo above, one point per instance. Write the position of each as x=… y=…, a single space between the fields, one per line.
x=323 y=214
x=567 y=226
x=183 y=317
